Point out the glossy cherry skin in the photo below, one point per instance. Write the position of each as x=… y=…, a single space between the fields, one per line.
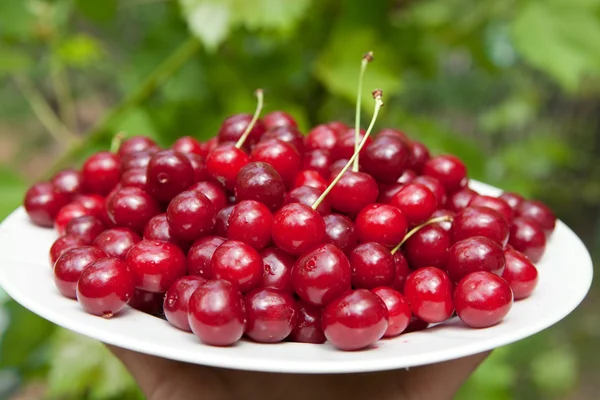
x=62 y=245
x=234 y=126
x=69 y=266
x=187 y=144
x=101 y=173
x=338 y=127
x=177 y=299
x=271 y=314
x=494 y=203
x=86 y=227
x=259 y=181
x=321 y=137
x=482 y=299
x=136 y=144
x=460 y=199
x=308 y=325
x=135 y=177
x=321 y=275
x=381 y=223
x=513 y=200
x=158 y=229
x=435 y=186
x=250 y=222
x=317 y=160
x=372 y=265
x=428 y=247
x=337 y=166
x=520 y=273
x=416 y=325
x=222 y=221
x=402 y=272
x=480 y=221
x=277 y=271
x=68 y=181
x=132 y=208
x=416 y=202
x=450 y=170
x=276 y=119
x=540 y=213
x=386 y=192
x=398 y=310
x=94 y=203
x=104 y=287
x=43 y=202
x=353 y=192
x=286 y=134
x=310 y=178
x=344 y=147
x=148 y=302
x=239 y=263
x=191 y=215
x=407 y=176
x=216 y=313
x=528 y=237
x=474 y=254
x=68 y=213
x=395 y=133
x=341 y=232
x=224 y=163
x=386 y=158
x=198 y=164
x=137 y=160
x=169 y=173
x=280 y=155
x=446 y=225
x=355 y=320
x=420 y=156
x=307 y=195
x=297 y=228
x=117 y=242
x=155 y=265
x=215 y=193
x=429 y=292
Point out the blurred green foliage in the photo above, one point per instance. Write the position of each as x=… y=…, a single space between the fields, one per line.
x=512 y=87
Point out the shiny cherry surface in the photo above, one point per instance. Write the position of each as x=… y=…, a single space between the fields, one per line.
x=137 y=160
x=416 y=202
x=474 y=254
x=259 y=181
x=480 y=221
x=200 y=255
x=233 y=127
x=435 y=186
x=191 y=215
x=520 y=273
x=169 y=173
x=353 y=192
x=372 y=265
x=297 y=228
x=277 y=269
x=386 y=158
x=286 y=134
x=381 y=223
x=198 y=164
x=135 y=145
x=187 y=144
x=398 y=310
x=317 y=160
x=155 y=265
x=250 y=222
x=69 y=266
x=68 y=213
x=177 y=299
x=308 y=325
x=450 y=170
x=158 y=229
x=239 y=263
x=428 y=247
x=495 y=203
x=116 y=242
x=420 y=156
x=222 y=221
x=528 y=237
x=282 y=156
x=224 y=163
x=309 y=177
x=101 y=172
x=276 y=119
x=514 y=200
x=271 y=314
x=321 y=137
x=215 y=193
x=341 y=232
x=86 y=227
x=540 y=213
x=429 y=292
x=344 y=146
x=135 y=177
x=43 y=202
x=68 y=181
x=62 y=245
x=402 y=272
x=307 y=195
x=460 y=199
x=132 y=208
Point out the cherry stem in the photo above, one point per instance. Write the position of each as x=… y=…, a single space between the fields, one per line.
x=378 y=104
x=259 y=106
x=445 y=218
x=116 y=141
x=363 y=67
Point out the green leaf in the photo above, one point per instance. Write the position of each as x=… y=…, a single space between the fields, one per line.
x=16 y=20
x=13 y=60
x=269 y=14
x=98 y=11
x=209 y=20
x=80 y=51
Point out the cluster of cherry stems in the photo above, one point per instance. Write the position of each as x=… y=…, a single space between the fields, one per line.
x=265 y=232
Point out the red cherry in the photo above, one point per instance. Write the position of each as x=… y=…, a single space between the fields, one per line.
x=224 y=163
x=450 y=170
x=308 y=325
x=420 y=156
x=482 y=299
x=386 y=192
x=250 y=222
x=158 y=229
x=155 y=265
x=86 y=227
x=480 y=221
x=353 y=192
x=520 y=273
x=135 y=145
x=297 y=228
x=222 y=221
x=355 y=321
x=286 y=134
x=116 y=242
x=260 y=181
x=398 y=310
x=213 y=191
x=277 y=269
x=211 y=144
x=318 y=160
x=381 y=223
x=132 y=208
x=101 y=173
x=177 y=299
x=407 y=177
x=310 y=178
x=435 y=186
x=416 y=325
x=527 y=237
x=494 y=203
x=321 y=275
x=62 y=245
x=191 y=215
x=216 y=313
x=429 y=292
x=66 y=214
x=271 y=314
x=340 y=231
x=540 y=213
x=94 y=203
x=169 y=173
x=337 y=166
x=134 y=178
x=137 y=160
x=514 y=200
x=148 y=302
x=276 y=119
x=43 y=202
x=282 y=156
x=200 y=255
x=344 y=146
x=307 y=195
x=395 y=133
x=199 y=166
x=68 y=182
x=372 y=265
x=402 y=272
x=338 y=127
x=239 y=263
x=321 y=137
x=474 y=254
x=449 y=215
x=104 y=287
x=187 y=144
x=69 y=266
x=386 y=158
x=428 y=247
x=460 y=199
x=233 y=127
x=416 y=202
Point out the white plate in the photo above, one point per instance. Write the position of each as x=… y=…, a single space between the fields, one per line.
x=26 y=276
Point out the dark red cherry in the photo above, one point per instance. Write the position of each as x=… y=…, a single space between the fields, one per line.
x=482 y=299
x=395 y=133
x=187 y=144
x=224 y=163
x=407 y=176
x=116 y=242
x=520 y=273
x=158 y=229
x=69 y=266
x=372 y=265
x=271 y=314
x=341 y=232
x=233 y=127
x=540 y=213
x=191 y=215
x=213 y=191
x=435 y=186
x=135 y=145
x=86 y=227
x=132 y=208
x=398 y=310
x=94 y=203
x=68 y=213
x=494 y=203
x=297 y=228
x=344 y=146
x=449 y=215
x=169 y=173
x=429 y=292
x=386 y=158
x=275 y=119
x=222 y=221
x=355 y=320
x=338 y=127
x=199 y=256
x=280 y=155
x=420 y=156
x=353 y=192
x=337 y=166
x=239 y=263
x=416 y=325
x=137 y=160
x=210 y=144
x=460 y=199
x=250 y=222
x=101 y=173
x=528 y=237
x=68 y=182
x=428 y=247
x=381 y=223
x=318 y=160
x=155 y=265
x=259 y=181
x=286 y=134
x=416 y=202
x=308 y=325
x=62 y=245
x=199 y=166
x=177 y=299
x=450 y=170
x=148 y=302
x=474 y=254
x=402 y=272
x=310 y=178
x=43 y=202
x=480 y=221
x=321 y=275
x=135 y=177
x=386 y=192
x=514 y=200
x=321 y=137
x=104 y=287
x=277 y=269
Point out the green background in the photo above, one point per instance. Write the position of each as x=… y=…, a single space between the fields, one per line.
x=512 y=87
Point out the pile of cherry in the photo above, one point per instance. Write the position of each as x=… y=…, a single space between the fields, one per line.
x=241 y=235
